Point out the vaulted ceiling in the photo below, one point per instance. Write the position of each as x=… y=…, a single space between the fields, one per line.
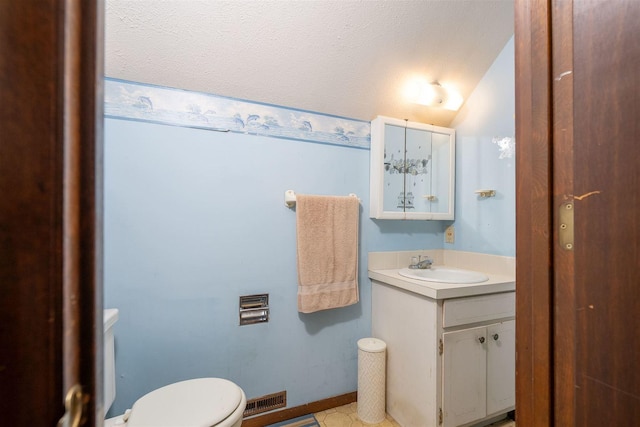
x=346 y=58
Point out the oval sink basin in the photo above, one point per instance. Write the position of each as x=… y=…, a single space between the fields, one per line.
x=444 y=275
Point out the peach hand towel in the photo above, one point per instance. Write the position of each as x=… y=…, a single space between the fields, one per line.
x=327 y=235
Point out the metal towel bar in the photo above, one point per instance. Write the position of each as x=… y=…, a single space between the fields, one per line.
x=290 y=198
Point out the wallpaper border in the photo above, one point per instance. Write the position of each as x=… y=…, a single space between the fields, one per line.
x=177 y=107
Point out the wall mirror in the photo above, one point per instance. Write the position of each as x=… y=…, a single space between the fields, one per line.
x=412 y=170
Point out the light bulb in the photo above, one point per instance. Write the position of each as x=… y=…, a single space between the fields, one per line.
x=433 y=95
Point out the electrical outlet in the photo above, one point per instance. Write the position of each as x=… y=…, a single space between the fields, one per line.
x=449 y=234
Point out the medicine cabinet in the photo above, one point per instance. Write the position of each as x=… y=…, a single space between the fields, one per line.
x=412 y=170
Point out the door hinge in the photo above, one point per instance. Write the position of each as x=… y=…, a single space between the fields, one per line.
x=565 y=232
x=440 y=417
x=441 y=347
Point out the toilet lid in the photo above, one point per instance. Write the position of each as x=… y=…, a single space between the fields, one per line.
x=202 y=402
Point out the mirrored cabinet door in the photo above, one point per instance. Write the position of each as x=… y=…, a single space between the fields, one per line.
x=393 y=161
x=443 y=167
x=418 y=166
x=412 y=170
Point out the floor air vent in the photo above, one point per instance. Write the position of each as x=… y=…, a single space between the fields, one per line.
x=266 y=403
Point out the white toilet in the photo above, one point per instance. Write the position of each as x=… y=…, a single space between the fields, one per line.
x=201 y=402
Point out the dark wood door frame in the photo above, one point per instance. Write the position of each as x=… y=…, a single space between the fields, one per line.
x=534 y=329
x=563 y=298
x=51 y=76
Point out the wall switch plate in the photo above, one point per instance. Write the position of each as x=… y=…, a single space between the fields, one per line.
x=449 y=234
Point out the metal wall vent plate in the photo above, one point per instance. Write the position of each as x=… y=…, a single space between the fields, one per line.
x=266 y=403
x=254 y=309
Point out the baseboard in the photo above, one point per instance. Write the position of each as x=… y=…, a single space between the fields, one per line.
x=298 y=411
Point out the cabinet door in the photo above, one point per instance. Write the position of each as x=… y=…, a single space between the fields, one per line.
x=412 y=170
x=419 y=165
x=442 y=177
x=501 y=366
x=394 y=165
x=464 y=376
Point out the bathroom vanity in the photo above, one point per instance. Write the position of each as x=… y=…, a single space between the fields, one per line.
x=450 y=347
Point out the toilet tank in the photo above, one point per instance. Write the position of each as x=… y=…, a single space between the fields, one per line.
x=110 y=318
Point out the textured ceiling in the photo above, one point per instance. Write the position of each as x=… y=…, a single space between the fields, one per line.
x=347 y=58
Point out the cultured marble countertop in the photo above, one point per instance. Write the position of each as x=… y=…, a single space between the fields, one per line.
x=437 y=290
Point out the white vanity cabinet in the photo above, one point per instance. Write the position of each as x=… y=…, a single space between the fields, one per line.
x=412 y=170
x=479 y=372
x=450 y=362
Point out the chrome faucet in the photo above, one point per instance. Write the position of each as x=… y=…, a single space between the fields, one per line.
x=419 y=263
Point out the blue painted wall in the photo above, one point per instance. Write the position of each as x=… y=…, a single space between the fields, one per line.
x=196 y=218
x=193 y=220
x=487 y=225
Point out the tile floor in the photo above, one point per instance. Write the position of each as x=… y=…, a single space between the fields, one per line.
x=347 y=416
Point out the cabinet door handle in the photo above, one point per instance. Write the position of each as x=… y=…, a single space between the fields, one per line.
x=496 y=336
x=481 y=339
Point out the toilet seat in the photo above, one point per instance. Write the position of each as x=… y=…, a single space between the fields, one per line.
x=201 y=402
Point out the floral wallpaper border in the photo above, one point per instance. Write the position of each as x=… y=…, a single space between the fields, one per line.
x=177 y=107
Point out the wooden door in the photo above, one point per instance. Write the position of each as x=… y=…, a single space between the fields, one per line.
x=577 y=121
x=597 y=280
x=50 y=209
